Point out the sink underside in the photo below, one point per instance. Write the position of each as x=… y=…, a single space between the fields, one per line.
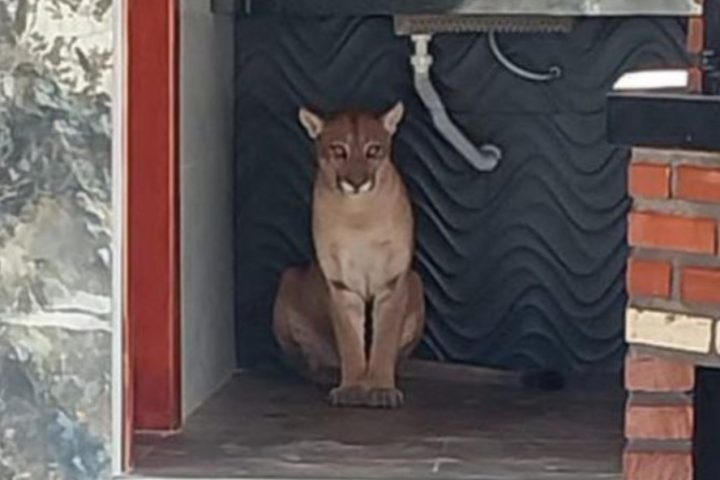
x=462 y=7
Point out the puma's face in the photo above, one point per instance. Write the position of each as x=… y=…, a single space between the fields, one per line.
x=352 y=147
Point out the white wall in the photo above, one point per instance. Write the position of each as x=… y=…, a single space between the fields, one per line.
x=206 y=158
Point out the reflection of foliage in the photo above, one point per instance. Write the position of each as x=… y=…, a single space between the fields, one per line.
x=73 y=58
x=55 y=238
x=54 y=145
x=98 y=8
x=41 y=437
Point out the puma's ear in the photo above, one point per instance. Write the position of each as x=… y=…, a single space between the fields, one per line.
x=312 y=122
x=391 y=119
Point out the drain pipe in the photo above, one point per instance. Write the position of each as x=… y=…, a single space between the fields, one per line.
x=484 y=159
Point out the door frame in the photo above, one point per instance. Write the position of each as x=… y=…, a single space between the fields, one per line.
x=146 y=213
x=153 y=286
x=146 y=269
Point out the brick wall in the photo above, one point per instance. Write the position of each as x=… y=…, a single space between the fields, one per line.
x=673 y=280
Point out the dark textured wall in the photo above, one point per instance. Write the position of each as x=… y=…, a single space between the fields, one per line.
x=523 y=266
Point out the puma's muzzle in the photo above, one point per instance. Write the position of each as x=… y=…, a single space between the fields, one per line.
x=351 y=188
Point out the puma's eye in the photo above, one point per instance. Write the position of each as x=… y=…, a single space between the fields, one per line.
x=338 y=151
x=373 y=151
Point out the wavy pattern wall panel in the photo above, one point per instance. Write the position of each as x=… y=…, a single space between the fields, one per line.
x=524 y=266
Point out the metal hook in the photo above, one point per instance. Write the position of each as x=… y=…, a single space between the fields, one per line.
x=553 y=73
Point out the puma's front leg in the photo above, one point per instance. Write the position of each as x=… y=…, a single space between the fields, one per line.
x=348 y=315
x=388 y=317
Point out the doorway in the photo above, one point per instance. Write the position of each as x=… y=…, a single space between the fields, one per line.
x=221 y=208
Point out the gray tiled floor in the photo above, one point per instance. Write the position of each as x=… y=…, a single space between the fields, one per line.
x=480 y=428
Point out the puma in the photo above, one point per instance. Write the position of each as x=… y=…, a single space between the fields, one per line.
x=356 y=311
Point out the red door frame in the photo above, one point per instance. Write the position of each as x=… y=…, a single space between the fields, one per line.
x=152 y=322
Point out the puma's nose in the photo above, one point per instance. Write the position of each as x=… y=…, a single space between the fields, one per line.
x=351 y=187
x=365 y=187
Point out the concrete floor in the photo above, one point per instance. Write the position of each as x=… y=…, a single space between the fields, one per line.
x=454 y=426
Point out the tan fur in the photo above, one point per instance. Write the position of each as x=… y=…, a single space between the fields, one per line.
x=363 y=233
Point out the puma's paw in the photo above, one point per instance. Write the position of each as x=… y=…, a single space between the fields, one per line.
x=348 y=396
x=385 y=398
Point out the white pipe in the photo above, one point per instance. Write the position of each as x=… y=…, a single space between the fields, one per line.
x=483 y=159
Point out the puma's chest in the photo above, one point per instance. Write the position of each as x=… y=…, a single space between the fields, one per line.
x=364 y=257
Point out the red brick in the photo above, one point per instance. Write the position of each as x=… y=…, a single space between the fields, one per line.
x=695 y=82
x=649 y=180
x=696 y=33
x=658 y=466
x=659 y=422
x=646 y=278
x=698 y=183
x=672 y=232
x=701 y=285
x=646 y=373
